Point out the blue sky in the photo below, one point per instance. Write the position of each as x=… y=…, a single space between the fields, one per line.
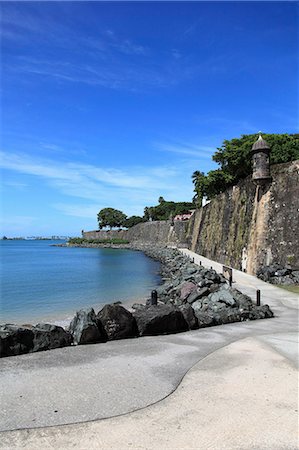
x=114 y=104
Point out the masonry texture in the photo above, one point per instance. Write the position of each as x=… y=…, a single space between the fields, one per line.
x=250 y=226
x=246 y=227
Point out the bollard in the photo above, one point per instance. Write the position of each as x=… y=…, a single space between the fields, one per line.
x=192 y=259
x=154 y=298
x=211 y=268
x=231 y=279
x=258 y=298
x=200 y=263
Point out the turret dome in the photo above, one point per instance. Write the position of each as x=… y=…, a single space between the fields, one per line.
x=260 y=144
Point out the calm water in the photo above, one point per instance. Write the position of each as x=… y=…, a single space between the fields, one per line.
x=42 y=282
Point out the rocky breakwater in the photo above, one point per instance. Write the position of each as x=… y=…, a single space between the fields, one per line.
x=279 y=275
x=190 y=297
x=203 y=296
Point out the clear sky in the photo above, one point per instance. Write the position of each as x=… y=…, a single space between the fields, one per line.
x=108 y=104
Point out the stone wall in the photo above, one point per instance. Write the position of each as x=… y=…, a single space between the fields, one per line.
x=160 y=232
x=251 y=226
x=246 y=227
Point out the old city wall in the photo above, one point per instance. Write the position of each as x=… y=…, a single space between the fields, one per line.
x=249 y=226
x=246 y=227
x=159 y=232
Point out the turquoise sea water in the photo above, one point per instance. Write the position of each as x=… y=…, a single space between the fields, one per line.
x=43 y=282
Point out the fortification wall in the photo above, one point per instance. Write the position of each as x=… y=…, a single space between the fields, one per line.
x=246 y=227
x=160 y=232
x=249 y=226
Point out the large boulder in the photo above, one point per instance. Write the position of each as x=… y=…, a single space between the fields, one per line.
x=197 y=294
x=117 y=322
x=160 y=319
x=227 y=315
x=84 y=328
x=47 y=337
x=189 y=316
x=15 y=340
x=187 y=288
x=260 y=312
x=205 y=319
x=225 y=296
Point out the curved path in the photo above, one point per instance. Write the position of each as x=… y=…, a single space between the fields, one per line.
x=239 y=397
x=80 y=384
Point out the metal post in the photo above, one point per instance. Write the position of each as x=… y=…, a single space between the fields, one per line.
x=154 y=298
x=200 y=263
x=230 y=279
x=258 y=298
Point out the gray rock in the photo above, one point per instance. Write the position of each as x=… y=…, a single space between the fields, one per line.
x=243 y=301
x=189 y=316
x=160 y=319
x=205 y=319
x=197 y=305
x=186 y=290
x=137 y=306
x=223 y=296
x=260 y=312
x=15 y=340
x=47 y=337
x=198 y=294
x=84 y=328
x=117 y=322
x=227 y=315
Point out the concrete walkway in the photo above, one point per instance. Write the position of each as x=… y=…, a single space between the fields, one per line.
x=242 y=392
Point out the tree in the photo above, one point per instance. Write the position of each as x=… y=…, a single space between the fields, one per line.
x=235 y=161
x=133 y=220
x=198 y=178
x=111 y=217
x=164 y=210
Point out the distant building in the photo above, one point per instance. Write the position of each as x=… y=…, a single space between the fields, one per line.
x=184 y=217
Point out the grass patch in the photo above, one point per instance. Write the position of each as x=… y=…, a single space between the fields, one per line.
x=78 y=241
x=292 y=288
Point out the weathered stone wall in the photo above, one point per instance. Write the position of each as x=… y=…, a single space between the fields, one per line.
x=160 y=232
x=282 y=240
x=101 y=234
x=246 y=227
x=250 y=226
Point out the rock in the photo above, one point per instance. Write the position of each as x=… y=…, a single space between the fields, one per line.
x=277 y=274
x=212 y=275
x=84 y=328
x=223 y=296
x=117 y=322
x=137 y=306
x=191 y=270
x=198 y=294
x=282 y=272
x=205 y=319
x=186 y=290
x=197 y=305
x=160 y=319
x=227 y=315
x=47 y=337
x=189 y=316
x=260 y=312
x=243 y=301
x=15 y=340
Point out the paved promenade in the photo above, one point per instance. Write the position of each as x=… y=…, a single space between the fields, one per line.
x=241 y=391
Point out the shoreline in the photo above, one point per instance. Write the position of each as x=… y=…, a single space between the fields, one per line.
x=64 y=317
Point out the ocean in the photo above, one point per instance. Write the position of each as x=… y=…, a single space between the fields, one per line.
x=41 y=282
